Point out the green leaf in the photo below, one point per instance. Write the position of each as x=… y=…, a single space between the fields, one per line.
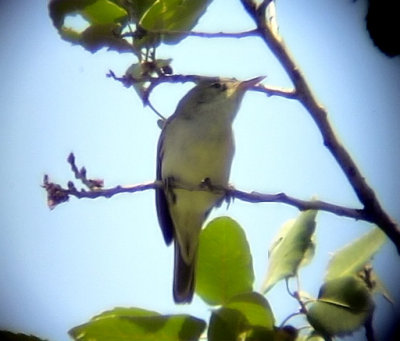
x=353 y=257
x=136 y=8
x=104 y=12
x=343 y=306
x=292 y=247
x=173 y=15
x=105 y=19
x=247 y=313
x=226 y=324
x=224 y=266
x=287 y=333
x=96 y=37
x=145 y=69
x=255 y=308
x=125 y=312
x=138 y=324
x=314 y=336
x=136 y=72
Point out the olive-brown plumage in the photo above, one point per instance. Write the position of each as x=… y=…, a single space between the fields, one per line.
x=196 y=143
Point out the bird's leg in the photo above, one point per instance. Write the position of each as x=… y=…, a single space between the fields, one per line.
x=206 y=183
x=169 y=184
x=228 y=197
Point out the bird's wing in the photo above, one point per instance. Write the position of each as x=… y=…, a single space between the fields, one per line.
x=164 y=217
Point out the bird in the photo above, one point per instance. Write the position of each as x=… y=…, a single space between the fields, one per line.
x=196 y=146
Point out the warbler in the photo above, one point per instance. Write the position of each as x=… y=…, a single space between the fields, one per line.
x=196 y=145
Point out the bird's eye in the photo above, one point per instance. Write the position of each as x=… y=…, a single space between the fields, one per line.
x=218 y=85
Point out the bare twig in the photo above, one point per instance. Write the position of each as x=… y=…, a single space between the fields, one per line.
x=128 y=81
x=57 y=194
x=300 y=204
x=372 y=210
x=80 y=174
x=156 y=111
x=287 y=318
x=198 y=34
x=275 y=91
x=253 y=197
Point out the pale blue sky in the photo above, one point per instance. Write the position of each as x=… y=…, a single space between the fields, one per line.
x=59 y=268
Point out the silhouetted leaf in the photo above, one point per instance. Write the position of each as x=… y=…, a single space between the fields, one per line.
x=138 y=7
x=6 y=335
x=99 y=36
x=105 y=20
x=286 y=333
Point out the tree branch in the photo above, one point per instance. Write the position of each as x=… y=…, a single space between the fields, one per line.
x=372 y=210
x=302 y=205
x=236 y=35
x=129 y=81
x=56 y=194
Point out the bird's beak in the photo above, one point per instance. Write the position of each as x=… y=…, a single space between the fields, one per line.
x=245 y=85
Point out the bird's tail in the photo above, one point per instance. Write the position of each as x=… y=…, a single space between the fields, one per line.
x=183 y=277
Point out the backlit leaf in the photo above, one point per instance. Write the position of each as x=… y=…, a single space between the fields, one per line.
x=173 y=15
x=123 y=324
x=224 y=267
x=292 y=246
x=343 y=306
x=353 y=257
x=248 y=314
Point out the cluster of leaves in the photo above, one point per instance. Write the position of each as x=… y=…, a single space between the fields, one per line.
x=110 y=22
x=225 y=281
x=131 y=26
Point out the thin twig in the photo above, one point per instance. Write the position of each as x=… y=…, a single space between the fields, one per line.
x=275 y=91
x=156 y=111
x=369 y=329
x=288 y=289
x=302 y=205
x=80 y=174
x=287 y=318
x=372 y=211
x=235 y=35
x=57 y=194
x=253 y=197
x=128 y=81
